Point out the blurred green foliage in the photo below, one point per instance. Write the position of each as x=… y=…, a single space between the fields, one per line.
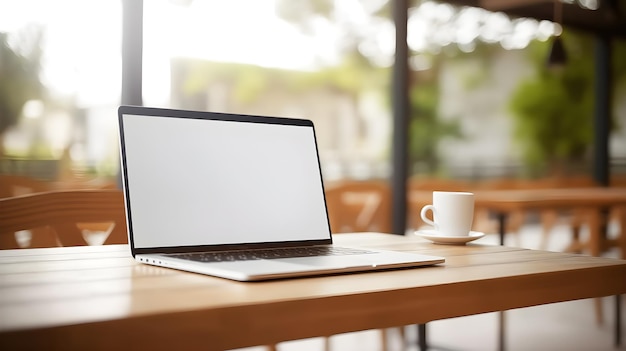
x=19 y=75
x=357 y=74
x=553 y=109
x=426 y=129
x=248 y=81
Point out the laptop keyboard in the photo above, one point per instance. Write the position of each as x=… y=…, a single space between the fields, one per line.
x=289 y=252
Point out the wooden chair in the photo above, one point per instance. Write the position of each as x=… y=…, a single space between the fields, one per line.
x=360 y=206
x=14 y=185
x=67 y=214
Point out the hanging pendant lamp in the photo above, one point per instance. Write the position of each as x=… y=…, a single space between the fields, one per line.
x=557 y=57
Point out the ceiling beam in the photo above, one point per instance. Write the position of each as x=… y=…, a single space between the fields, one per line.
x=608 y=20
x=506 y=5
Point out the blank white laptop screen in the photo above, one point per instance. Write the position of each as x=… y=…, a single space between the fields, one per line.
x=212 y=182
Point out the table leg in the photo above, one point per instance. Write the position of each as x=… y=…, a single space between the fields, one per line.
x=421 y=337
x=502 y=328
x=621 y=216
x=501 y=315
x=618 y=321
x=501 y=216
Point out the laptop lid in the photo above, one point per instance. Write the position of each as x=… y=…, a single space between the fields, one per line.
x=197 y=181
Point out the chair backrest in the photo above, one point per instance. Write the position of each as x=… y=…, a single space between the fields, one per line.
x=359 y=206
x=68 y=215
x=14 y=185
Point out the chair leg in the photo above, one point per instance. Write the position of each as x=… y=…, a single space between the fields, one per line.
x=383 y=339
x=599 y=312
x=548 y=221
x=402 y=338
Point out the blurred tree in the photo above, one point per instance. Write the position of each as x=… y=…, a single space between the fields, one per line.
x=19 y=76
x=619 y=74
x=356 y=26
x=302 y=13
x=426 y=129
x=365 y=66
x=553 y=110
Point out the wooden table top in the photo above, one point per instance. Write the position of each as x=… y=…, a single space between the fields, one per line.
x=552 y=198
x=539 y=198
x=97 y=297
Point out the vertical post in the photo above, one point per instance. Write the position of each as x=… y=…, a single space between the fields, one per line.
x=602 y=109
x=603 y=85
x=400 y=98
x=132 y=49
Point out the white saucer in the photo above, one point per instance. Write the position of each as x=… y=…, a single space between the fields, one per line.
x=437 y=238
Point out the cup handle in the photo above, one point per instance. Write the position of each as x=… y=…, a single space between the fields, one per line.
x=423 y=214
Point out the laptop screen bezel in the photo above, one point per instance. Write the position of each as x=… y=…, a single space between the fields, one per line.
x=218 y=116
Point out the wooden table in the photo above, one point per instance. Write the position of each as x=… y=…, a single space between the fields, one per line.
x=593 y=201
x=99 y=298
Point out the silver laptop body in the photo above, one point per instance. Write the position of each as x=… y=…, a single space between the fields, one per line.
x=226 y=195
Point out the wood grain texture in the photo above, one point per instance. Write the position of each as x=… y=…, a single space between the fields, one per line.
x=99 y=298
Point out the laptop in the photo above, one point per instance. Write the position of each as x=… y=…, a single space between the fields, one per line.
x=234 y=196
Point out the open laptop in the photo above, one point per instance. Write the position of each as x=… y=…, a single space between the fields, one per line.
x=234 y=196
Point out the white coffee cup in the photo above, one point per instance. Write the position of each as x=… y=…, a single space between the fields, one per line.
x=453 y=212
